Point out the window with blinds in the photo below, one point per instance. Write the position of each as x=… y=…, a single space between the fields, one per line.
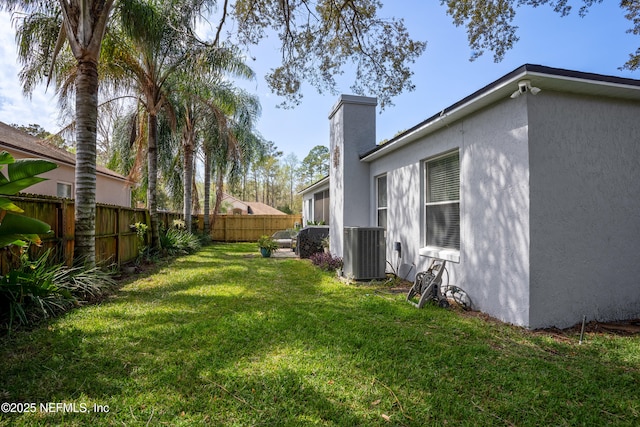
x=381 y=200
x=442 y=207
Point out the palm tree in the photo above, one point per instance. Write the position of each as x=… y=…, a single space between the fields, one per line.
x=82 y=25
x=146 y=51
x=209 y=102
x=228 y=147
x=157 y=55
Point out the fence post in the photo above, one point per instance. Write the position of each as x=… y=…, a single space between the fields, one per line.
x=118 y=237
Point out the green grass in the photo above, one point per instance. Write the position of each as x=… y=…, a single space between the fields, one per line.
x=225 y=338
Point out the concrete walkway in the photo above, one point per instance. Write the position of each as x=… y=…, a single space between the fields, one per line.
x=284 y=253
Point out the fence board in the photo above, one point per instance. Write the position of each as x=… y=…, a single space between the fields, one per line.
x=248 y=228
x=116 y=241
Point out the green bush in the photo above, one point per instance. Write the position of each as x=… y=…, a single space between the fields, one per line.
x=179 y=241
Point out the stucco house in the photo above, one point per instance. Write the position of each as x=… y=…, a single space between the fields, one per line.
x=111 y=187
x=529 y=188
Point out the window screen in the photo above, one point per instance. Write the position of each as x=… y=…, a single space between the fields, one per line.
x=321 y=207
x=64 y=190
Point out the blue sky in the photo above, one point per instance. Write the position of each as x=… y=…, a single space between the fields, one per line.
x=443 y=75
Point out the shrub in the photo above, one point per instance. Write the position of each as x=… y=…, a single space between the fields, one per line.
x=36 y=290
x=176 y=241
x=326 y=261
x=141 y=231
x=84 y=284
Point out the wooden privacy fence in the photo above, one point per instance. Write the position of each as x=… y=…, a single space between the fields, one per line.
x=116 y=240
x=248 y=228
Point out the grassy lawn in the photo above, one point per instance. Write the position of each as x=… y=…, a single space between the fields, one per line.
x=225 y=338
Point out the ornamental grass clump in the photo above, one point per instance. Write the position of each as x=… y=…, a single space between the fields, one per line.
x=37 y=289
x=179 y=242
x=326 y=261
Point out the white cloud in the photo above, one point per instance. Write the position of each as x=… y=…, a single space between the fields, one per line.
x=14 y=106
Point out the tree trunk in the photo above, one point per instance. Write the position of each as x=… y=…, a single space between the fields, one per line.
x=195 y=195
x=244 y=184
x=219 y=188
x=85 y=173
x=207 y=192
x=187 y=181
x=152 y=189
x=255 y=180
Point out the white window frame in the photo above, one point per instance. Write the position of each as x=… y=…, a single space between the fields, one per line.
x=382 y=206
x=67 y=185
x=442 y=245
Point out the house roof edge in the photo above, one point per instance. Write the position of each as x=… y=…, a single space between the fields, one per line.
x=315 y=185
x=494 y=91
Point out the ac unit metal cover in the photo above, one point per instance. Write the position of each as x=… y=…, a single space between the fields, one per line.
x=364 y=254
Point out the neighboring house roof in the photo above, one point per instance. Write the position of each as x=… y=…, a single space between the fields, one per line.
x=546 y=78
x=18 y=140
x=235 y=202
x=250 y=208
x=257 y=208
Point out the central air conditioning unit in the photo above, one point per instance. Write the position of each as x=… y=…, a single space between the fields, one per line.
x=364 y=254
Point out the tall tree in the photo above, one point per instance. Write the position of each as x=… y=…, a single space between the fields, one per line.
x=291 y=170
x=205 y=97
x=155 y=54
x=315 y=165
x=228 y=141
x=490 y=23
x=82 y=24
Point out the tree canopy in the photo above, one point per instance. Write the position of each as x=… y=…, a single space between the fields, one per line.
x=490 y=24
x=320 y=38
x=315 y=165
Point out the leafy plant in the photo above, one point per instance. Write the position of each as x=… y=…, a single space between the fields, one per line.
x=326 y=261
x=38 y=289
x=16 y=229
x=141 y=231
x=29 y=292
x=177 y=241
x=179 y=224
x=84 y=284
x=267 y=243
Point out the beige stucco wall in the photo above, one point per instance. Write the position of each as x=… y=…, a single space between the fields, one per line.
x=109 y=190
